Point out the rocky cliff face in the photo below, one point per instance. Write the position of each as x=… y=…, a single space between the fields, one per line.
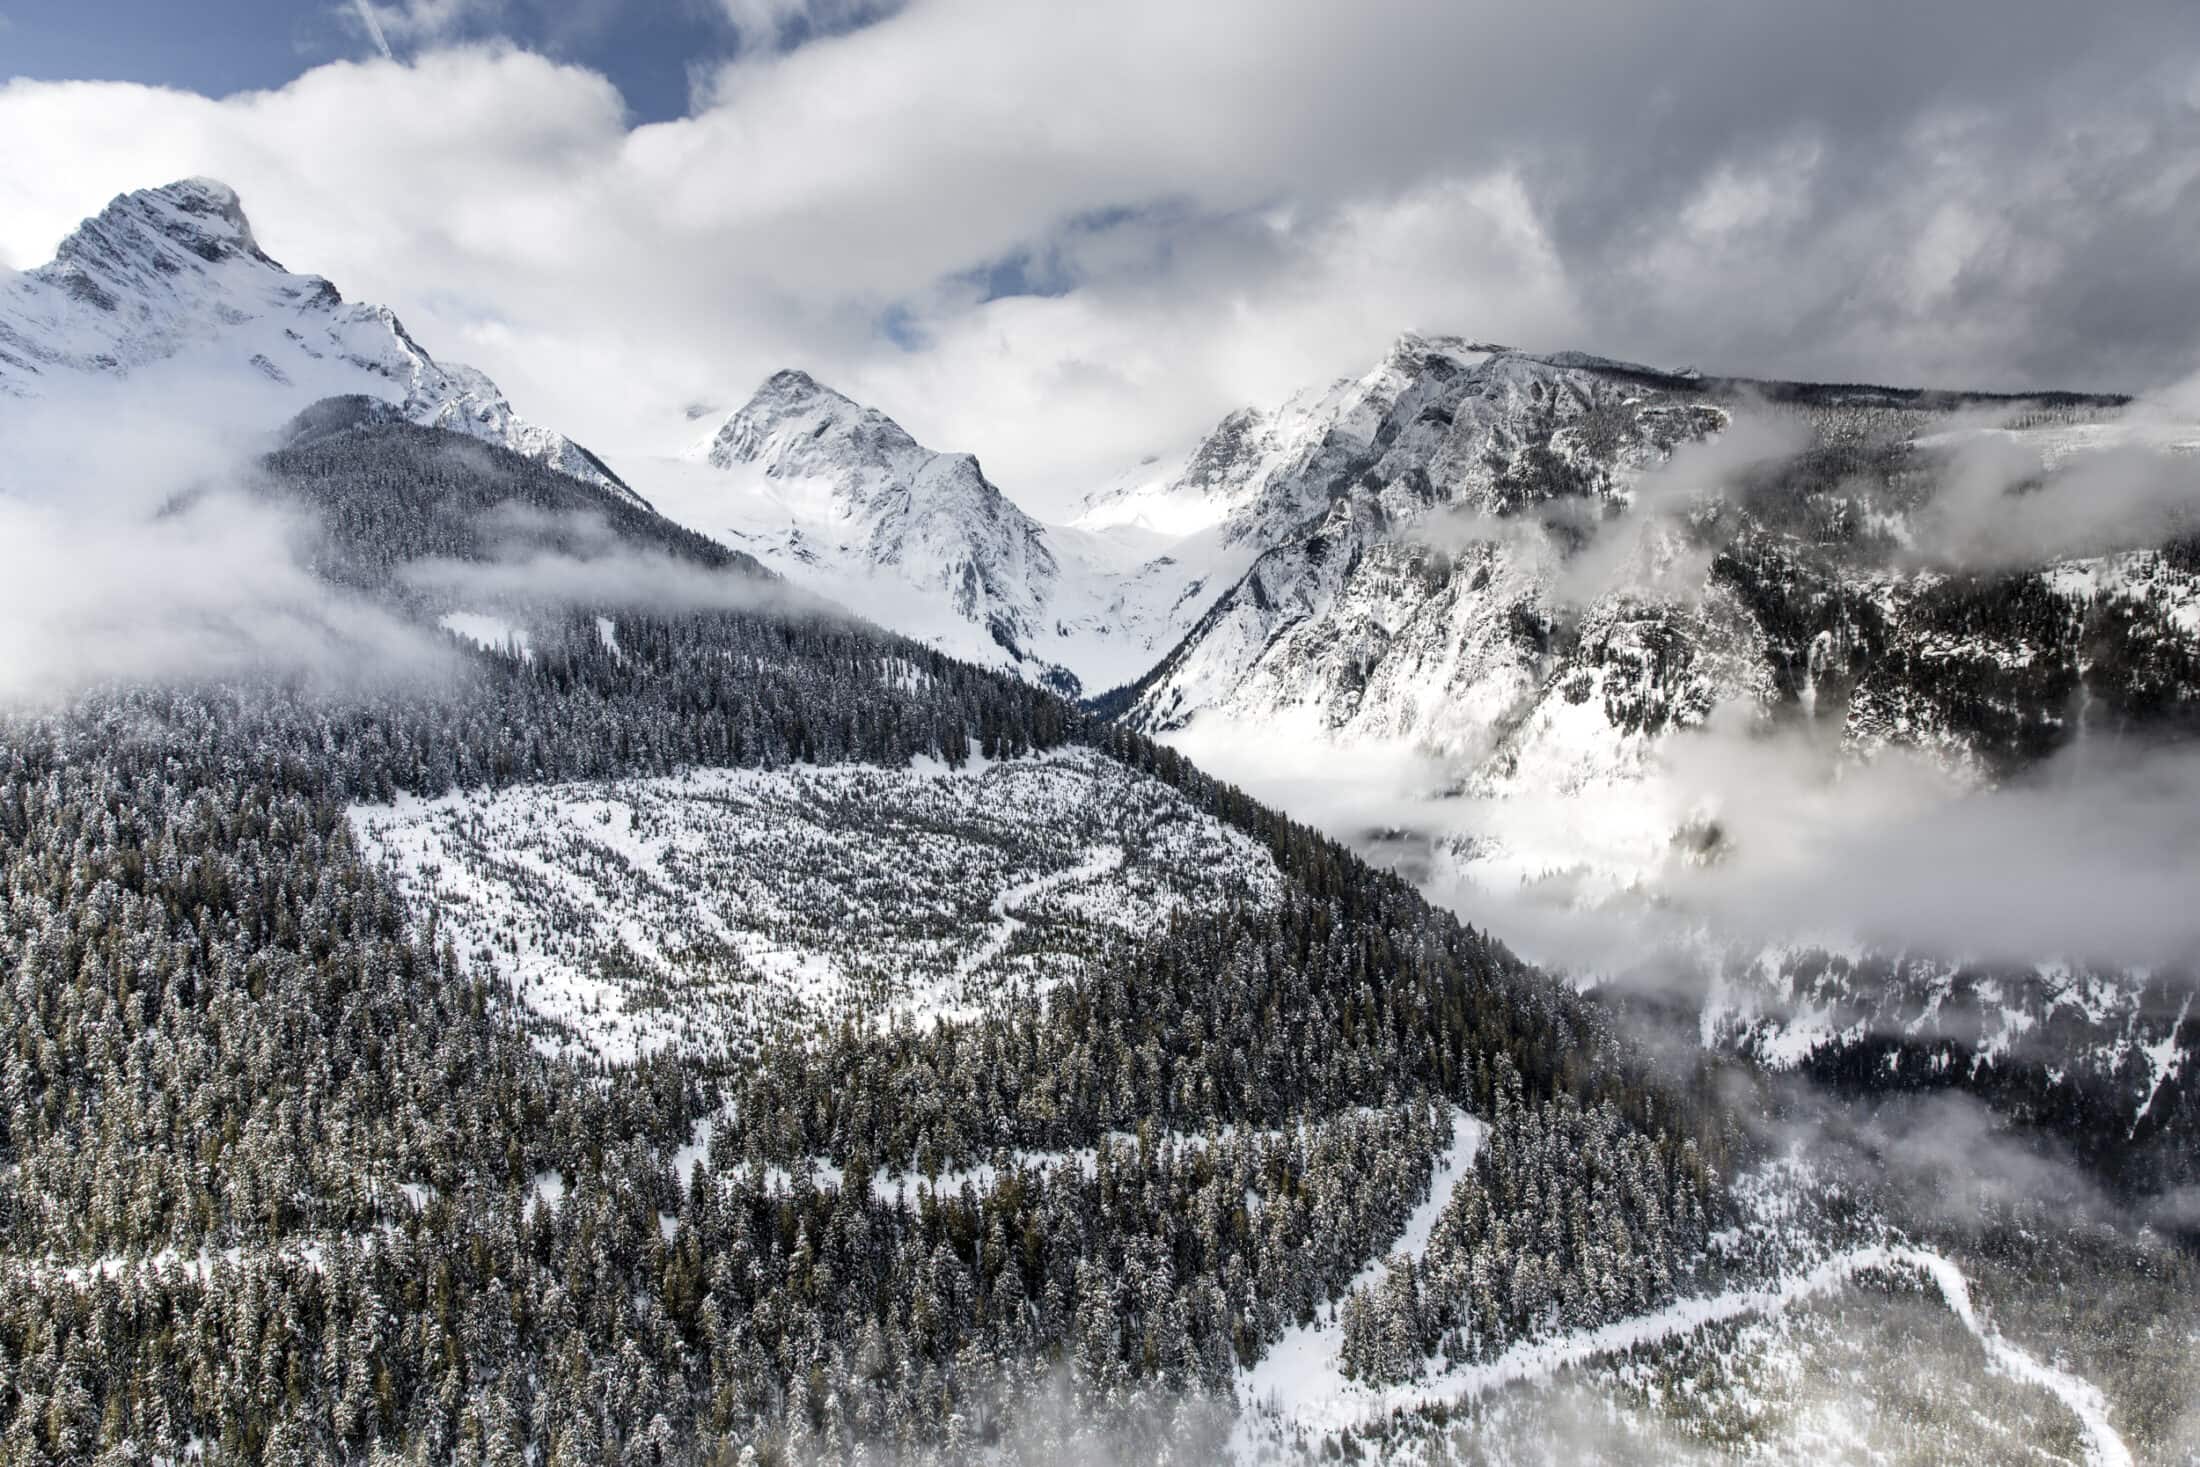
x=1541 y=563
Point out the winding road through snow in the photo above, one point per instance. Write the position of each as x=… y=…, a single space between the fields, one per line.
x=1103 y=860
x=1299 y=1387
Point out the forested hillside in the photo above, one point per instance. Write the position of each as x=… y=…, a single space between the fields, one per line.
x=284 y=1179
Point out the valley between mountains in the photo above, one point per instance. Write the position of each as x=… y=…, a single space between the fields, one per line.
x=1515 y=907
x=1550 y=632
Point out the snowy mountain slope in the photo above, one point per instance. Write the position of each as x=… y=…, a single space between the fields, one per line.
x=1252 y=484
x=167 y=286
x=1747 y=1391
x=1219 y=479
x=1540 y=568
x=2112 y=1051
x=839 y=498
x=1442 y=544
x=1374 y=600
x=1259 y=469
x=1590 y=645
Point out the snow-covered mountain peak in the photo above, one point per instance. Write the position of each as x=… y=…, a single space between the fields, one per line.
x=795 y=426
x=143 y=238
x=841 y=498
x=832 y=459
x=171 y=282
x=1259 y=472
x=1414 y=350
x=1177 y=497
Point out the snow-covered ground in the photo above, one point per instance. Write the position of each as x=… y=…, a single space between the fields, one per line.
x=1302 y=1394
x=692 y=910
x=493 y=633
x=1297 y=1395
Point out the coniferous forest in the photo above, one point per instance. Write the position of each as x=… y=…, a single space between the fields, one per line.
x=283 y=1178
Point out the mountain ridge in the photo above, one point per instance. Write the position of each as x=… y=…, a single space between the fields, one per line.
x=175 y=272
x=838 y=495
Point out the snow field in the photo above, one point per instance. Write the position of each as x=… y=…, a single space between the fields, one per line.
x=692 y=911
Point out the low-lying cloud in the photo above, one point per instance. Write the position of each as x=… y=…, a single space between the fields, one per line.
x=128 y=553
x=1649 y=548
x=2006 y=500
x=541 y=559
x=2090 y=857
x=139 y=545
x=209 y=590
